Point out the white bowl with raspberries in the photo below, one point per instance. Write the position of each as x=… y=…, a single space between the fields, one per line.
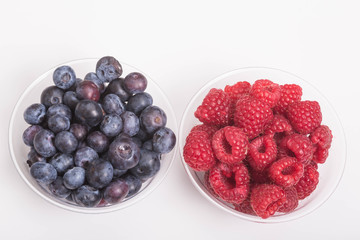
x=262 y=144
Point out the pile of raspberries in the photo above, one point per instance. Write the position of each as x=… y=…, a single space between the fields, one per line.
x=259 y=146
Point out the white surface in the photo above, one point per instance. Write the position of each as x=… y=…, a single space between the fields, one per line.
x=182 y=45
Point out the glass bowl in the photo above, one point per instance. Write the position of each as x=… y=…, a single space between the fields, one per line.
x=19 y=150
x=330 y=172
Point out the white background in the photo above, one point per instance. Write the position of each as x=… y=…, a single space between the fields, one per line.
x=182 y=45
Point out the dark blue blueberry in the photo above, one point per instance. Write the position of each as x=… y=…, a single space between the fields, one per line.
x=139 y=102
x=148 y=145
x=87 y=196
x=99 y=173
x=34 y=157
x=84 y=156
x=123 y=153
x=74 y=178
x=60 y=109
x=52 y=95
x=142 y=135
x=108 y=69
x=135 y=83
x=97 y=141
x=43 y=143
x=35 y=113
x=133 y=182
x=116 y=191
x=111 y=125
x=66 y=142
x=58 y=189
x=64 y=77
x=43 y=173
x=94 y=78
x=148 y=165
x=29 y=134
x=58 y=123
x=88 y=90
x=131 y=123
x=116 y=87
x=62 y=162
x=73 y=87
x=82 y=144
x=79 y=131
x=163 y=140
x=118 y=173
x=137 y=141
x=89 y=112
x=152 y=119
x=112 y=104
x=70 y=99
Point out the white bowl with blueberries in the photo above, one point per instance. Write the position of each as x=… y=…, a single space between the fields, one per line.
x=93 y=142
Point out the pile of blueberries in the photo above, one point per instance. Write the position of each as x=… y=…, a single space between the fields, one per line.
x=96 y=141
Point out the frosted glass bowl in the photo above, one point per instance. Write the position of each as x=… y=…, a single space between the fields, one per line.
x=330 y=172
x=19 y=150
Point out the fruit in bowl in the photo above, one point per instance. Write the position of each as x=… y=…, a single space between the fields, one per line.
x=87 y=143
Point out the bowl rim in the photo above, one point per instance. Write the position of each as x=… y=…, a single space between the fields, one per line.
x=256 y=219
x=79 y=209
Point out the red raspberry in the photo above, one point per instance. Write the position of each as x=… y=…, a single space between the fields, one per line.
x=266 y=91
x=320 y=155
x=262 y=152
x=266 y=199
x=208 y=185
x=304 y=116
x=308 y=182
x=237 y=90
x=296 y=145
x=245 y=207
x=258 y=177
x=289 y=93
x=279 y=124
x=286 y=172
x=292 y=200
x=215 y=108
x=231 y=184
x=197 y=151
x=322 y=137
x=314 y=164
x=210 y=129
x=252 y=115
x=230 y=145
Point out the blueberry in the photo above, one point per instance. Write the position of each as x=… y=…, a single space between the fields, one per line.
x=99 y=173
x=79 y=131
x=43 y=143
x=35 y=113
x=108 y=69
x=148 y=166
x=89 y=112
x=137 y=141
x=142 y=135
x=139 y=102
x=112 y=104
x=163 y=140
x=43 y=173
x=84 y=156
x=66 y=142
x=73 y=87
x=64 y=77
x=87 y=90
x=82 y=144
x=116 y=87
x=60 y=109
x=29 y=134
x=52 y=95
x=123 y=153
x=131 y=123
x=62 y=162
x=58 y=189
x=97 y=141
x=133 y=182
x=111 y=125
x=74 y=178
x=135 y=83
x=34 y=157
x=87 y=196
x=118 y=173
x=70 y=99
x=116 y=191
x=148 y=145
x=94 y=78
x=152 y=119
x=58 y=123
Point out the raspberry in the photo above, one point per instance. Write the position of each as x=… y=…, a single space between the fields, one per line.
x=322 y=137
x=320 y=155
x=291 y=200
x=296 y=145
x=215 y=108
x=231 y=184
x=252 y=115
x=245 y=207
x=304 y=116
x=208 y=185
x=258 y=177
x=237 y=90
x=230 y=145
x=266 y=91
x=289 y=93
x=210 y=129
x=262 y=152
x=286 y=172
x=197 y=151
x=279 y=124
x=314 y=164
x=308 y=182
x=266 y=199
